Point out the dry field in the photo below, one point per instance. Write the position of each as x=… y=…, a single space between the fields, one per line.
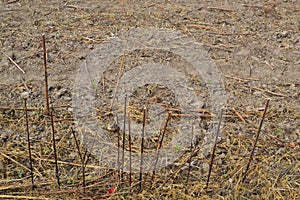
x=254 y=44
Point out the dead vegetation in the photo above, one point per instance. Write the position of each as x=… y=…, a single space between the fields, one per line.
x=256 y=47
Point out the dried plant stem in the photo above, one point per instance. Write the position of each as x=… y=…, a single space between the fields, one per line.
x=142 y=150
x=30 y=108
x=256 y=139
x=220 y=9
x=160 y=142
x=54 y=149
x=14 y=62
x=84 y=161
x=76 y=164
x=123 y=138
x=28 y=141
x=4 y=196
x=14 y=108
x=239 y=115
x=190 y=160
x=129 y=144
x=118 y=81
x=81 y=159
x=118 y=155
x=270 y=92
x=214 y=148
x=244 y=80
x=46 y=74
x=18 y=163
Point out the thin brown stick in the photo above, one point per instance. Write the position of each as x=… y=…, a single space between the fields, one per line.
x=226 y=33
x=84 y=161
x=13 y=108
x=276 y=93
x=245 y=80
x=62 y=120
x=214 y=148
x=129 y=144
x=14 y=62
x=199 y=26
x=270 y=92
x=256 y=139
x=77 y=144
x=251 y=6
x=21 y=165
x=4 y=196
x=74 y=164
x=220 y=9
x=239 y=115
x=123 y=138
x=25 y=185
x=142 y=151
x=73 y=6
x=31 y=108
x=118 y=81
x=28 y=141
x=25 y=85
x=5 y=181
x=46 y=74
x=269 y=65
x=118 y=155
x=190 y=160
x=81 y=159
x=186 y=115
x=54 y=149
x=160 y=142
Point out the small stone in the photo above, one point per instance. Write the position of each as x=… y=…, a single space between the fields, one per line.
x=50 y=57
x=25 y=95
x=284 y=33
x=67 y=98
x=24 y=45
x=205 y=167
x=219 y=162
x=197 y=104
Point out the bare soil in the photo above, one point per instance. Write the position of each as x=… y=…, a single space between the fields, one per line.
x=256 y=46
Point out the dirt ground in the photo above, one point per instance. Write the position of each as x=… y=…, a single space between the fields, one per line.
x=255 y=45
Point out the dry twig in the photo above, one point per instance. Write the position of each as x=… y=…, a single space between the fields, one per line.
x=46 y=74
x=14 y=62
x=214 y=148
x=28 y=141
x=256 y=139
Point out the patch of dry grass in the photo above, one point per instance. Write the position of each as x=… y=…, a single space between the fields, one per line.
x=273 y=174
